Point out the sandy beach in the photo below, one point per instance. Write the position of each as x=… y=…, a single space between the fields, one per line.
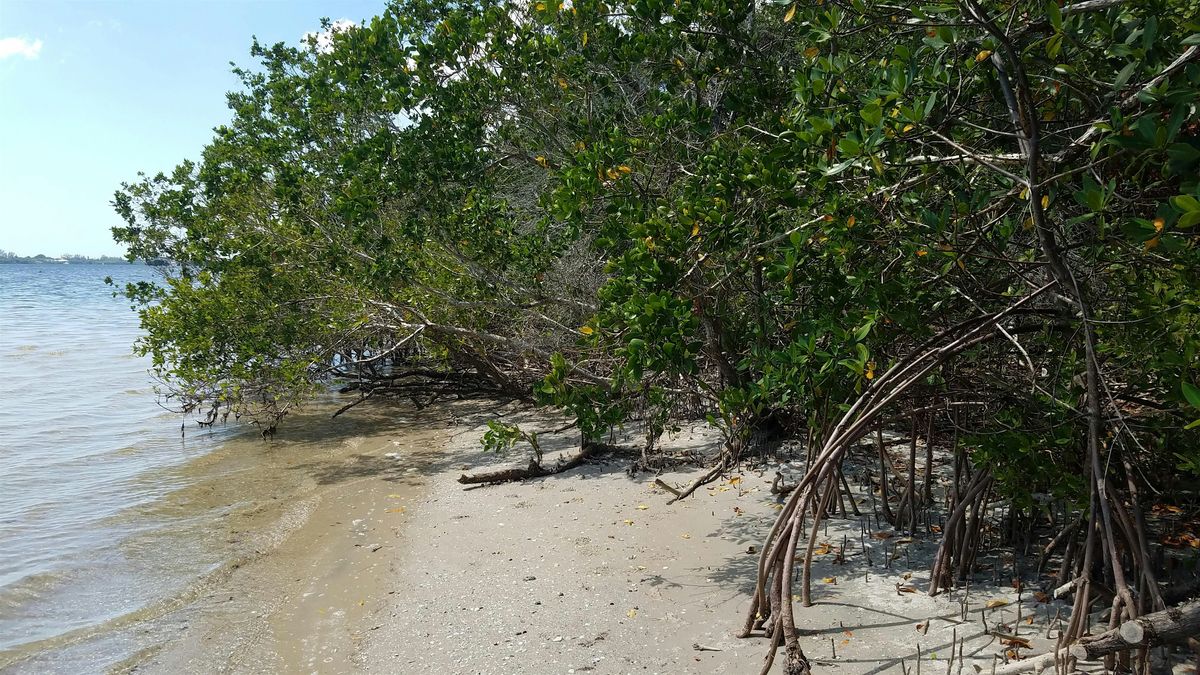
x=395 y=567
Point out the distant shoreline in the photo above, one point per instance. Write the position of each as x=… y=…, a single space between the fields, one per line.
x=68 y=260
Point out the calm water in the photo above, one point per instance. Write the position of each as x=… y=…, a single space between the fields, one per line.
x=86 y=459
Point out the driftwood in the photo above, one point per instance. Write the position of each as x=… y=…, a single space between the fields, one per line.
x=536 y=470
x=1176 y=624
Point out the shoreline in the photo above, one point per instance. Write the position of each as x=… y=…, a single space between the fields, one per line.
x=390 y=566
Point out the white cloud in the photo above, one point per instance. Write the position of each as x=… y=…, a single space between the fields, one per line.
x=20 y=46
x=322 y=41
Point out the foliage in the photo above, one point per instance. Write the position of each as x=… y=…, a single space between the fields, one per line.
x=654 y=209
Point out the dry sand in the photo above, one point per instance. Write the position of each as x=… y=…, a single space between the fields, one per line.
x=396 y=568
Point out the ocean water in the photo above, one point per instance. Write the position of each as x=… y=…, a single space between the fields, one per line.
x=88 y=459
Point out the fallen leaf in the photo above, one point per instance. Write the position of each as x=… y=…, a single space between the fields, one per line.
x=906 y=589
x=882 y=535
x=398 y=509
x=642 y=507
x=735 y=480
x=830 y=580
x=1014 y=641
x=845 y=642
x=587 y=330
x=628 y=522
x=790 y=14
x=992 y=604
x=822 y=549
x=631 y=613
x=395 y=496
x=848 y=633
x=685 y=535
x=1041 y=597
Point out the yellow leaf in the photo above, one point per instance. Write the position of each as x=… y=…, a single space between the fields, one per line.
x=812 y=52
x=791 y=14
x=398 y=509
x=993 y=604
x=394 y=496
x=642 y=507
x=1153 y=243
x=1025 y=193
x=922 y=252
x=612 y=174
x=850 y=221
x=822 y=549
x=907 y=128
x=735 y=480
x=1028 y=224
x=587 y=330
x=961 y=265
x=1158 y=224
x=1045 y=201
x=541 y=161
x=695 y=229
x=580 y=145
x=541 y=6
x=585 y=39
x=628 y=521
x=685 y=535
x=624 y=169
x=982 y=55
x=845 y=642
x=562 y=82
x=830 y=580
x=631 y=613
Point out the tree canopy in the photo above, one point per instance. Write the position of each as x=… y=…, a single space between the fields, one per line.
x=824 y=216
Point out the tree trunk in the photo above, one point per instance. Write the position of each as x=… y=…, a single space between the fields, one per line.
x=1174 y=624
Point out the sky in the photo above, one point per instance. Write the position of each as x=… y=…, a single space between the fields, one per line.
x=93 y=91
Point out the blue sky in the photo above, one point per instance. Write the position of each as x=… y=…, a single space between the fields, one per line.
x=91 y=92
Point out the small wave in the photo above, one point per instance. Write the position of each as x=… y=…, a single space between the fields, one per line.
x=292 y=518
x=28 y=590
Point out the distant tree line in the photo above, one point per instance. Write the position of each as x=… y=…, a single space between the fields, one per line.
x=9 y=258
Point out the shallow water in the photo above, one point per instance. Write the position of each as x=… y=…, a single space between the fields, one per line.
x=83 y=444
x=118 y=527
